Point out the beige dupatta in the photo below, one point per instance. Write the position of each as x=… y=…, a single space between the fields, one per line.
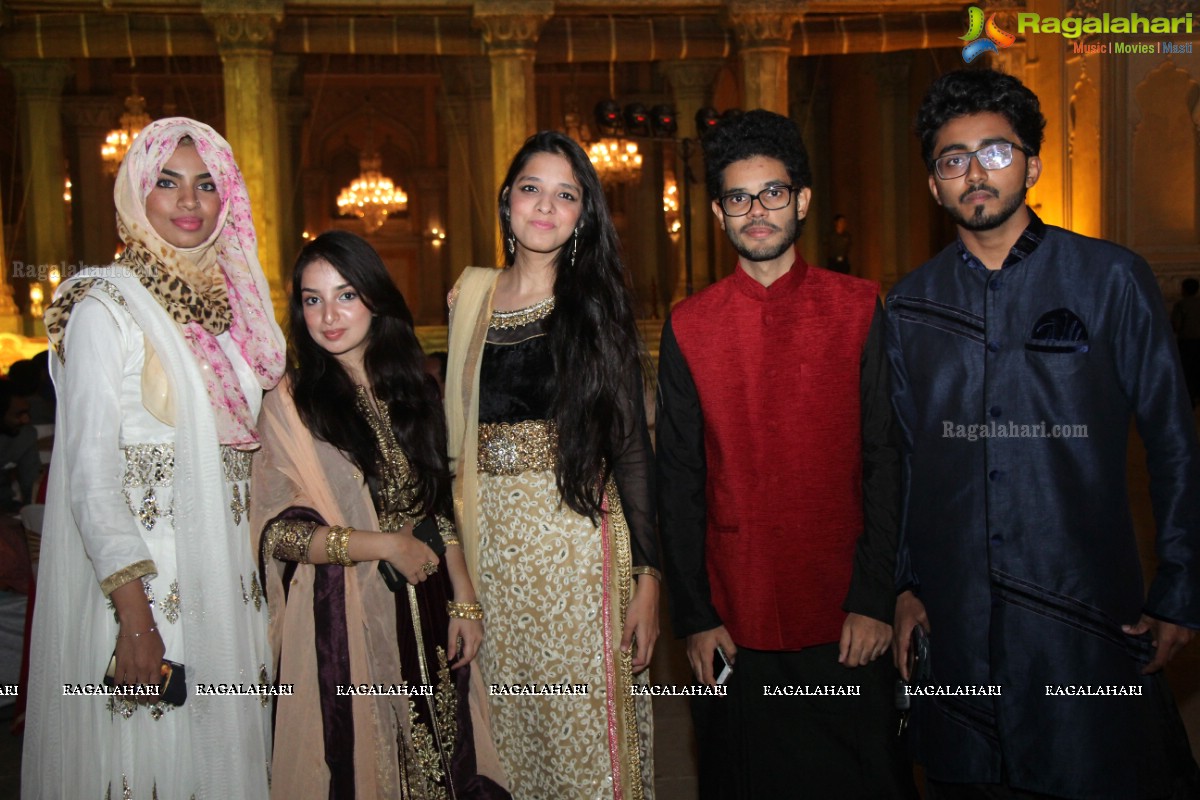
x=470 y=314
x=294 y=469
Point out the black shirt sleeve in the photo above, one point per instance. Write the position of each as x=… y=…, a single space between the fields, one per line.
x=633 y=471
x=872 y=584
x=682 y=506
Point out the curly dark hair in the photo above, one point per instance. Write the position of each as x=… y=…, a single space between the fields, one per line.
x=395 y=365
x=977 y=91
x=754 y=133
x=592 y=335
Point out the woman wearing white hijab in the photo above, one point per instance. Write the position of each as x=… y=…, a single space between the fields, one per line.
x=161 y=361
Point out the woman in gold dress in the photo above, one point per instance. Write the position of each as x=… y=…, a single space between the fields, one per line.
x=553 y=468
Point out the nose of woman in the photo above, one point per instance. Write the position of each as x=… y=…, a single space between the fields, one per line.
x=329 y=313
x=188 y=197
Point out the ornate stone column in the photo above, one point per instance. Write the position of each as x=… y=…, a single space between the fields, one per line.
x=472 y=204
x=510 y=33
x=94 y=212
x=764 y=34
x=454 y=112
x=811 y=112
x=433 y=279
x=691 y=89
x=289 y=116
x=245 y=32
x=891 y=145
x=1039 y=62
x=39 y=85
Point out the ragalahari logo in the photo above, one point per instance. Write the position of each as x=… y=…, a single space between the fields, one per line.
x=996 y=39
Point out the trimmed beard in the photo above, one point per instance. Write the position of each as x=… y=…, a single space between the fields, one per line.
x=791 y=232
x=979 y=221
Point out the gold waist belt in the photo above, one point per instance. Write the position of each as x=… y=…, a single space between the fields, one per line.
x=154 y=465
x=510 y=448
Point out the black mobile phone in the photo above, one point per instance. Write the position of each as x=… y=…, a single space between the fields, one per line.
x=919 y=671
x=722 y=669
x=172 y=689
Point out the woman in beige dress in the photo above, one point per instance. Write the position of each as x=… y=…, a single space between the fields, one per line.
x=553 y=468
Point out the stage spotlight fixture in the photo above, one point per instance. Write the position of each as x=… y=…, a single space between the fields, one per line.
x=706 y=120
x=663 y=122
x=637 y=122
x=608 y=117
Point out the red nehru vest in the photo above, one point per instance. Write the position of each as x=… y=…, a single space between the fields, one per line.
x=777 y=370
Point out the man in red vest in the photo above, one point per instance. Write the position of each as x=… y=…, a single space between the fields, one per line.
x=778 y=491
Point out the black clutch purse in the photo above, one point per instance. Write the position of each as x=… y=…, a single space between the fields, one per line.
x=425 y=531
x=172 y=690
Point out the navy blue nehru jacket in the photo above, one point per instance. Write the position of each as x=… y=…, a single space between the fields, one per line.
x=1017 y=534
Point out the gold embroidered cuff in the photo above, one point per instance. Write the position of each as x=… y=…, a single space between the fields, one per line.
x=127 y=574
x=448 y=531
x=648 y=571
x=510 y=448
x=290 y=539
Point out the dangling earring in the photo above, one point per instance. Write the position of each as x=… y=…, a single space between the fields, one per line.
x=512 y=245
x=574 y=246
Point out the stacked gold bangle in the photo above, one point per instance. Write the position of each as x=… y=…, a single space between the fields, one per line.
x=464 y=610
x=337 y=545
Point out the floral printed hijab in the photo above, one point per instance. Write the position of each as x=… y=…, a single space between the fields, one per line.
x=208 y=290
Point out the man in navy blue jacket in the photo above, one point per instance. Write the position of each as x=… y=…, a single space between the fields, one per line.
x=1019 y=354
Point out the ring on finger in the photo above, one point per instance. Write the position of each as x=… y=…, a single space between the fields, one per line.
x=429 y=568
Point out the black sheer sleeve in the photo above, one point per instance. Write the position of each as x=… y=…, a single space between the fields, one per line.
x=872 y=584
x=682 y=504
x=633 y=471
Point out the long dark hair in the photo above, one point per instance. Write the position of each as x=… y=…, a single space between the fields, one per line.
x=395 y=366
x=593 y=339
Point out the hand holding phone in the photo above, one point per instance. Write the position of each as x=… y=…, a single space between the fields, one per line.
x=722 y=669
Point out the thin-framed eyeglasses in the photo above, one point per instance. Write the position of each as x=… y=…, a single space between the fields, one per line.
x=996 y=155
x=772 y=198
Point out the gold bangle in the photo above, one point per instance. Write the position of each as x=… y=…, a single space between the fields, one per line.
x=337 y=545
x=464 y=610
x=651 y=571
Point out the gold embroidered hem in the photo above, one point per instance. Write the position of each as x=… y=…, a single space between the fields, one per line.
x=289 y=540
x=510 y=448
x=506 y=320
x=127 y=574
x=532 y=547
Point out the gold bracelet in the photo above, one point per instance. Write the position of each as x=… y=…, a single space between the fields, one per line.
x=651 y=571
x=464 y=610
x=337 y=545
x=151 y=630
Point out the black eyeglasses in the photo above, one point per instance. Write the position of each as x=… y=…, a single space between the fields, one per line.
x=772 y=198
x=996 y=155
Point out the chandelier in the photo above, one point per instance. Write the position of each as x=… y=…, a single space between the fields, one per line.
x=616 y=160
x=372 y=196
x=117 y=143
